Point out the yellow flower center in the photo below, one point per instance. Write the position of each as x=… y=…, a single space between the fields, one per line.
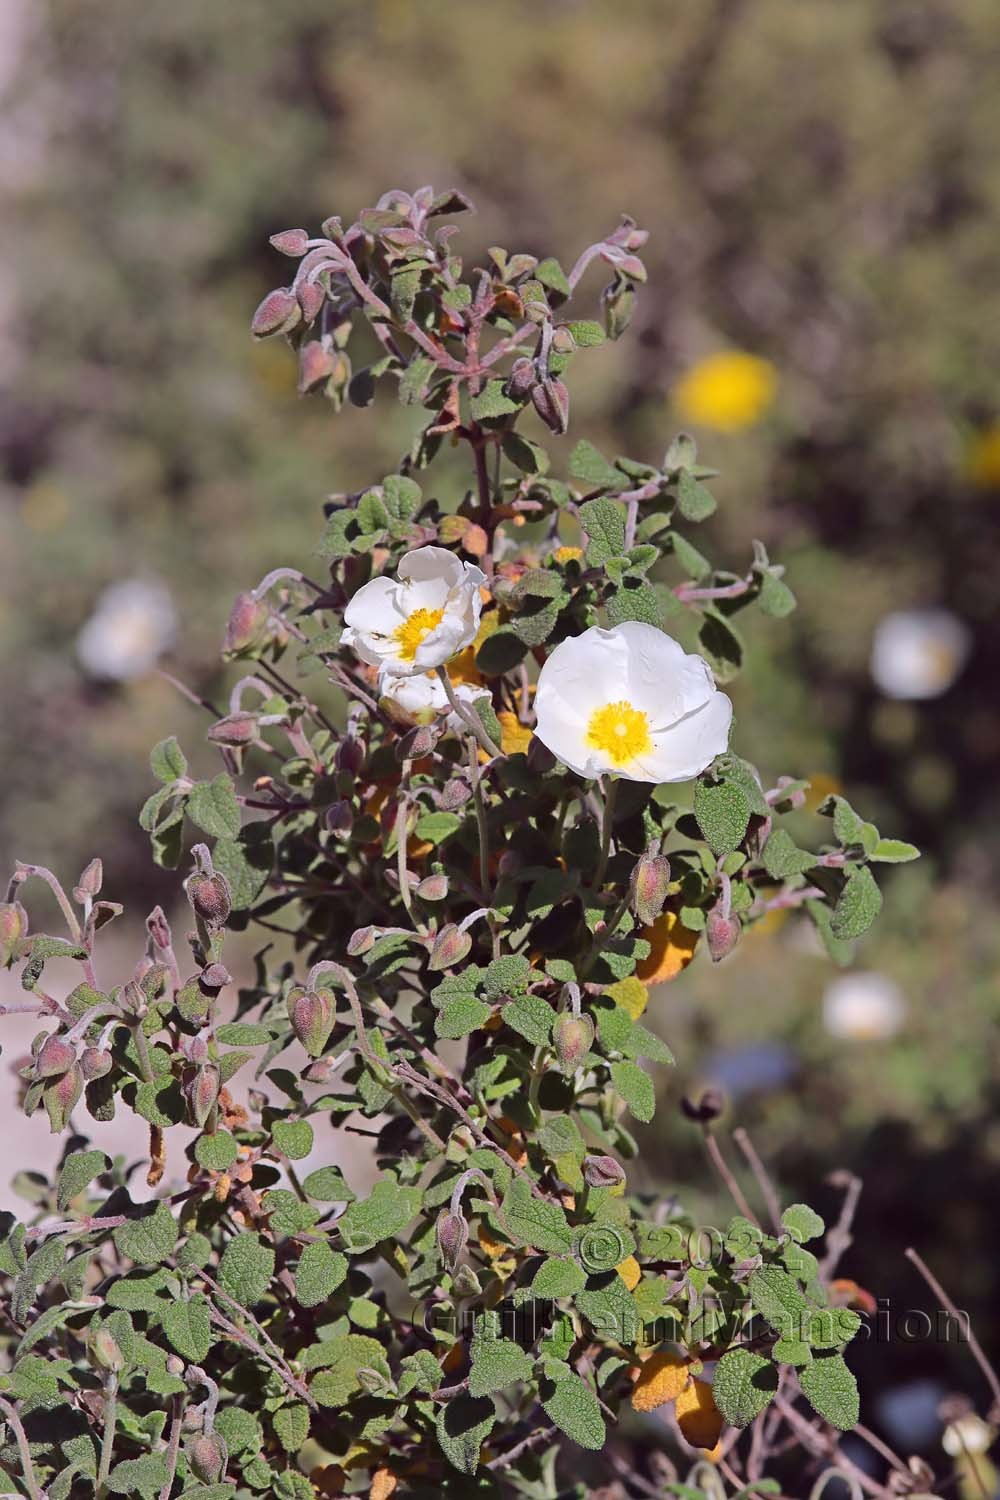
x=620 y=731
x=415 y=629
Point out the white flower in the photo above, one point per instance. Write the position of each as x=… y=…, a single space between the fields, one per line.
x=418 y=622
x=969 y=1434
x=630 y=701
x=918 y=653
x=863 y=1007
x=133 y=624
x=421 y=698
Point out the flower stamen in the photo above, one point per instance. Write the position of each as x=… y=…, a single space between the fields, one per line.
x=414 y=630
x=620 y=731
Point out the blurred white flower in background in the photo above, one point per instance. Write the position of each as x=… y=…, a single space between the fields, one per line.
x=918 y=653
x=970 y=1434
x=863 y=1007
x=133 y=624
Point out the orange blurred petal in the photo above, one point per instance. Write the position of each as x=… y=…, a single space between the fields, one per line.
x=698 y=1416
x=672 y=949
x=662 y=1378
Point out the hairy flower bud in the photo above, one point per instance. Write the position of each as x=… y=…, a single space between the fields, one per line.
x=618 y=305
x=202 y=1093
x=312 y=1014
x=521 y=379
x=235 y=730
x=174 y=1365
x=602 y=1172
x=215 y=977
x=311 y=295
x=210 y=898
x=105 y=1351
x=452 y=1232
x=246 y=625
x=722 y=933
x=572 y=1039
x=61 y=1097
x=350 y=755
x=361 y=940
x=450 y=947
x=208 y=1457
x=277 y=313
x=95 y=1062
x=55 y=1057
x=294 y=242
x=90 y=881
x=455 y=793
x=433 y=888
x=13 y=930
x=551 y=402
x=649 y=886
x=316 y=364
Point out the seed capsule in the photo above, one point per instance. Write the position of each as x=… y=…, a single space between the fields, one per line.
x=55 y=1057
x=95 y=1062
x=649 y=886
x=450 y=947
x=602 y=1171
x=722 y=933
x=207 y=1456
x=312 y=1014
x=573 y=1037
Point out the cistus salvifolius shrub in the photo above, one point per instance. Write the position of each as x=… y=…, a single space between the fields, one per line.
x=479 y=866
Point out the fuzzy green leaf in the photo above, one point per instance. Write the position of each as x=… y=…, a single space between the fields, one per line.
x=722 y=809
x=589 y=464
x=694 y=501
x=150 y=1237
x=496 y=1362
x=319 y=1273
x=382 y=1215
x=531 y=1017
x=778 y=1299
x=213 y=806
x=167 y=761
x=802 y=1223
x=327 y=1185
x=216 y=1153
x=246 y=1268
x=533 y=1221
x=463 y=1425
x=832 y=1391
x=782 y=858
x=291 y=1425
x=636 y=1088
x=293 y=1138
x=744 y=1385
x=491 y=403
x=604 y=522
x=573 y=1407
x=893 y=852
x=187 y=1327
x=143 y=1476
x=858 y=905
x=78 y=1171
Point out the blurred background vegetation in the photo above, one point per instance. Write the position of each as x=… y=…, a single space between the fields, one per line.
x=822 y=186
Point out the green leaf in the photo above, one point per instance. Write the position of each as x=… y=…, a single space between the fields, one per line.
x=778 y=1299
x=492 y=403
x=246 y=1268
x=460 y=1017
x=243 y=1034
x=78 y=1171
x=694 y=501
x=506 y=976
x=435 y=827
x=802 y=1223
x=635 y=602
x=415 y=380
x=775 y=598
x=831 y=1327
x=213 y=806
x=246 y=862
x=722 y=645
x=722 y=809
x=291 y=1425
x=136 y=1293
x=551 y=274
x=529 y=457
x=294 y=1138
x=144 y=1476
x=847 y=824
x=531 y=1017
x=858 y=905
x=832 y=1391
x=782 y=858
x=792 y=1352
x=557 y=1277
x=744 y=1384
x=534 y=1221
x=327 y=1185
x=239 y=1429
x=893 y=852
x=188 y=1329
x=341 y=1358
x=216 y=1153
x=167 y=761
x=150 y=1237
x=604 y=522
x=589 y=464
x=586 y=334
x=570 y=1403
x=319 y=1273
x=463 y=1425
x=382 y=1215
x=496 y=1362
x=636 y=1088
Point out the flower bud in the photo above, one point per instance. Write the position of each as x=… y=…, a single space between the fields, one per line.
x=61 y=1097
x=277 y=313
x=350 y=755
x=159 y=928
x=572 y=1039
x=132 y=999
x=312 y=1013
x=174 y=1365
x=55 y=1057
x=316 y=364
x=649 y=886
x=551 y=402
x=95 y=1062
x=454 y=794
x=294 y=242
x=246 y=626
x=90 y=881
x=321 y=1070
x=13 y=930
x=450 y=947
x=420 y=741
x=202 y=1093
x=215 y=977
x=235 y=730
x=339 y=817
x=311 y=295
x=210 y=898
x=433 y=888
x=602 y=1172
x=465 y=1282
x=709 y=1107
x=207 y=1456
x=452 y=1232
x=105 y=1350
x=521 y=379
x=361 y=940
x=617 y=304
x=722 y=933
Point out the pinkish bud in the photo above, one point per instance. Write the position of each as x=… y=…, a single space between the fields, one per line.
x=450 y=947
x=216 y=977
x=316 y=364
x=202 y=1093
x=602 y=1172
x=208 y=1457
x=105 y=1351
x=210 y=898
x=13 y=930
x=90 y=881
x=311 y=295
x=294 y=242
x=551 y=401
x=174 y=1365
x=61 y=1097
x=95 y=1062
x=433 y=888
x=452 y=1232
x=246 y=626
x=320 y=1070
x=235 y=730
x=633 y=268
x=455 y=793
x=521 y=379
x=278 y=313
x=350 y=755
x=159 y=928
x=362 y=940
x=55 y=1057
x=649 y=886
x=796 y=797
x=312 y=1013
x=722 y=933
x=572 y=1039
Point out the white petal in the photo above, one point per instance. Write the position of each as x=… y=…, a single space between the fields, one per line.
x=427 y=563
x=583 y=673
x=663 y=680
x=375 y=607
x=683 y=750
x=441 y=644
x=564 y=734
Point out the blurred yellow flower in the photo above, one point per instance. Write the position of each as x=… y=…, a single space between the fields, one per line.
x=728 y=391
x=982 y=458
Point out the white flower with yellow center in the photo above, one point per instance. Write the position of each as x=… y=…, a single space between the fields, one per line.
x=418 y=620
x=630 y=701
x=918 y=653
x=134 y=623
x=863 y=1007
x=420 y=699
